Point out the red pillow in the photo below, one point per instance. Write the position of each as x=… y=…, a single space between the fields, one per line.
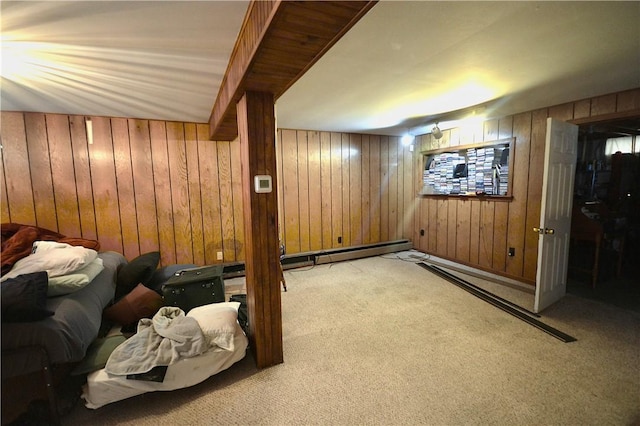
x=141 y=302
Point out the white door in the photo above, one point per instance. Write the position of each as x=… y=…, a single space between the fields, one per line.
x=555 y=213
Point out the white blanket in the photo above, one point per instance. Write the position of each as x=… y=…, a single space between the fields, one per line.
x=163 y=340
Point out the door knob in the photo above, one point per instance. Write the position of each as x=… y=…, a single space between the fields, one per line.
x=542 y=231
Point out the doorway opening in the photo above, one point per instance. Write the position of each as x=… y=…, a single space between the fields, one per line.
x=604 y=256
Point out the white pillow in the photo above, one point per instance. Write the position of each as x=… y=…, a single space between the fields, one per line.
x=76 y=280
x=218 y=323
x=47 y=245
x=59 y=260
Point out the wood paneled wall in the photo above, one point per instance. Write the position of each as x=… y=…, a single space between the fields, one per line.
x=152 y=185
x=341 y=190
x=142 y=185
x=146 y=185
x=479 y=232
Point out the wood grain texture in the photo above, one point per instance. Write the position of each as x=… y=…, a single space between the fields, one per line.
x=40 y=167
x=62 y=177
x=256 y=121
x=326 y=188
x=105 y=186
x=162 y=181
x=17 y=173
x=302 y=159
x=336 y=190
x=355 y=190
x=374 y=188
x=345 y=163
x=534 y=191
x=210 y=190
x=144 y=186
x=194 y=192
x=277 y=43
x=123 y=183
x=314 y=191
x=126 y=193
x=82 y=178
x=238 y=209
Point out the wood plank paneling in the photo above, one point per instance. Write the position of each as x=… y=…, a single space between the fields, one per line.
x=375 y=193
x=366 y=190
x=385 y=179
x=518 y=206
x=290 y=210
x=336 y=190
x=121 y=190
x=432 y=232
x=15 y=157
x=463 y=229
x=355 y=190
x=144 y=185
x=127 y=181
x=347 y=193
x=105 y=186
x=628 y=101
x=346 y=190
x=326 y=189
x=162 y=180
x=408 y=198
x=392 y=194
x=534 y=191
x=442 y=229
x=226 y=201
x=40 y=166
x=83 y=181
x=126 y=193
x=238 y=208
x=316 y=226
x=195 y=196
x=179 y=192
x=210 y=190
x=62 y=177
x=302 y=160
x=603 y=105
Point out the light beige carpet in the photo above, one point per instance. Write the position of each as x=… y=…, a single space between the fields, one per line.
x=383 y=341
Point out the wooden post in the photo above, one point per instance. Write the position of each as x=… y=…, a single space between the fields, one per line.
x=257 y=133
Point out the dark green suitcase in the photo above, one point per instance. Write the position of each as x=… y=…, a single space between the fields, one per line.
x=193 y=287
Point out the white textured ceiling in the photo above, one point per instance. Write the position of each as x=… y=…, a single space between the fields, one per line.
x=141 y=59
x=401 y=66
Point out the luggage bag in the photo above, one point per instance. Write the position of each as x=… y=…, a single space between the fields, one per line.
x=194 y=287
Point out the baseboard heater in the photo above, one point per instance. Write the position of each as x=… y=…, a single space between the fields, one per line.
x=500 y=303
x=358 y=252
x=298 y=260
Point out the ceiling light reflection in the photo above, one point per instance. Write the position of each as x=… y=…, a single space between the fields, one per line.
x=452 y=98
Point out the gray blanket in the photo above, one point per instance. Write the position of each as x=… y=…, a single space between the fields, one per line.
x=166 y=338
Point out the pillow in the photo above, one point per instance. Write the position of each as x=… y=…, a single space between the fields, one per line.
x=17 y=242
x=74 y=241
x=59 y=260
x=139 y=303
x=24 y=298
x=40 y=246
x=160 y=276
x=139 y=270
x=218 y=323
x=76 y=280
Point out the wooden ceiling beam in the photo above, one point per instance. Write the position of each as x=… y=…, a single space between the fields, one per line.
x=278 y=42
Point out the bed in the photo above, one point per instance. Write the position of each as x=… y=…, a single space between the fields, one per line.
x=228 y=346
x=66 y=335
x=50 y=315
